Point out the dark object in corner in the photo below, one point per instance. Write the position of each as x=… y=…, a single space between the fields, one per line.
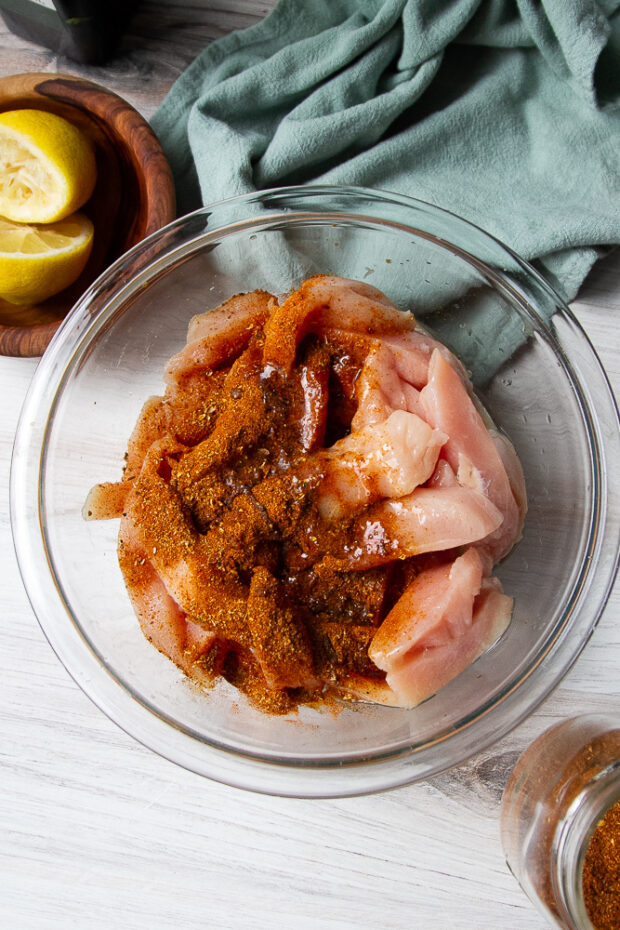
x=86 y=30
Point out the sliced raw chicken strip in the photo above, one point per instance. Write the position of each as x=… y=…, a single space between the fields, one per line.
x=514 y=471
x=442 y=477
x=445 y=619
x=470 y=450
x=367 y=689
x=411 y=356
x=314 y=380
x=413 y=351
x=181 y=558
x=323 y=302
x=388 y=459
x=150 y=426
x=161 y=618
x=426 y=520
x=237 y=427
x=435 y=608
x=279 y=639
x=378 y=389
x=166 y=533
x=410 y=349
x=162 y=621
x=220 y=335
x=106 y=501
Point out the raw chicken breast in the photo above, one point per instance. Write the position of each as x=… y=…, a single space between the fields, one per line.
x=269 y=619
x=157 y=524
x=470 y=450
x=388 y=459
x=441 y=624
x=323 y=302
x=295 y=508
x=382 y=388
x=219 y=334
x=413 y=351
x=164 y=530
x=162 y=621
x=428 y=520
x=443 y=476
x=378 y=389
x=106 y=501
x=514 y=470
x=314 y=380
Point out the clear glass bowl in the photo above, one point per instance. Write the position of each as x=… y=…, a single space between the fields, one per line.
x=550 y=395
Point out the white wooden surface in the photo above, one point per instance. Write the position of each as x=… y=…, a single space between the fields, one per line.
x=98 y=832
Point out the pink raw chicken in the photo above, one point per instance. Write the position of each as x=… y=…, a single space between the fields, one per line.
x=511 y=463
x=413 y=351
x=378 y=389
x=427 y=520
x=470 y=450
x=447 y=617
x=325 y=302
x=219 y=334
x=384 y=384
x=443 y=476
x=388 y=459
x=162 y=621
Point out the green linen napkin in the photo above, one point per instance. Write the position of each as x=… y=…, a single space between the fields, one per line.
x=506 y=112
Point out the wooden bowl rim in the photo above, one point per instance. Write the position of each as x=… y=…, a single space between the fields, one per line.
x=31 y=341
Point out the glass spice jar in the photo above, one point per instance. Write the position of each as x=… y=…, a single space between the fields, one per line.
x=560 y=823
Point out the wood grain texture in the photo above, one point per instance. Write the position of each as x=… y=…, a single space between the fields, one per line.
x=99 y=833
x=134 y=195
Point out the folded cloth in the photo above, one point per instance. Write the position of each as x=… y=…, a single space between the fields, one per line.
x=506 y=112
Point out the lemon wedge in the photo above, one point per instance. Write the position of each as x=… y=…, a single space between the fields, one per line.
x=47 y=167
x=39 y=261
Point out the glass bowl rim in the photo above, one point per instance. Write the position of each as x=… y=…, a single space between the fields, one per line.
x=359 y=774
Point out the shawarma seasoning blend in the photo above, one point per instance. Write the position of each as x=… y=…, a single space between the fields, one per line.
x=601 y=872
x=561 y=823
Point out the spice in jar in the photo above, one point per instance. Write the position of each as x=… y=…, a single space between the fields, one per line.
x=601 y=873
x=561 y=823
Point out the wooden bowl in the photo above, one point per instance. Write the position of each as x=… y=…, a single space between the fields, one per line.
x=133 y=197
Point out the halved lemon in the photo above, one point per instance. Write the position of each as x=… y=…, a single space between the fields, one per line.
x=39 y=261
x=47 y=167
